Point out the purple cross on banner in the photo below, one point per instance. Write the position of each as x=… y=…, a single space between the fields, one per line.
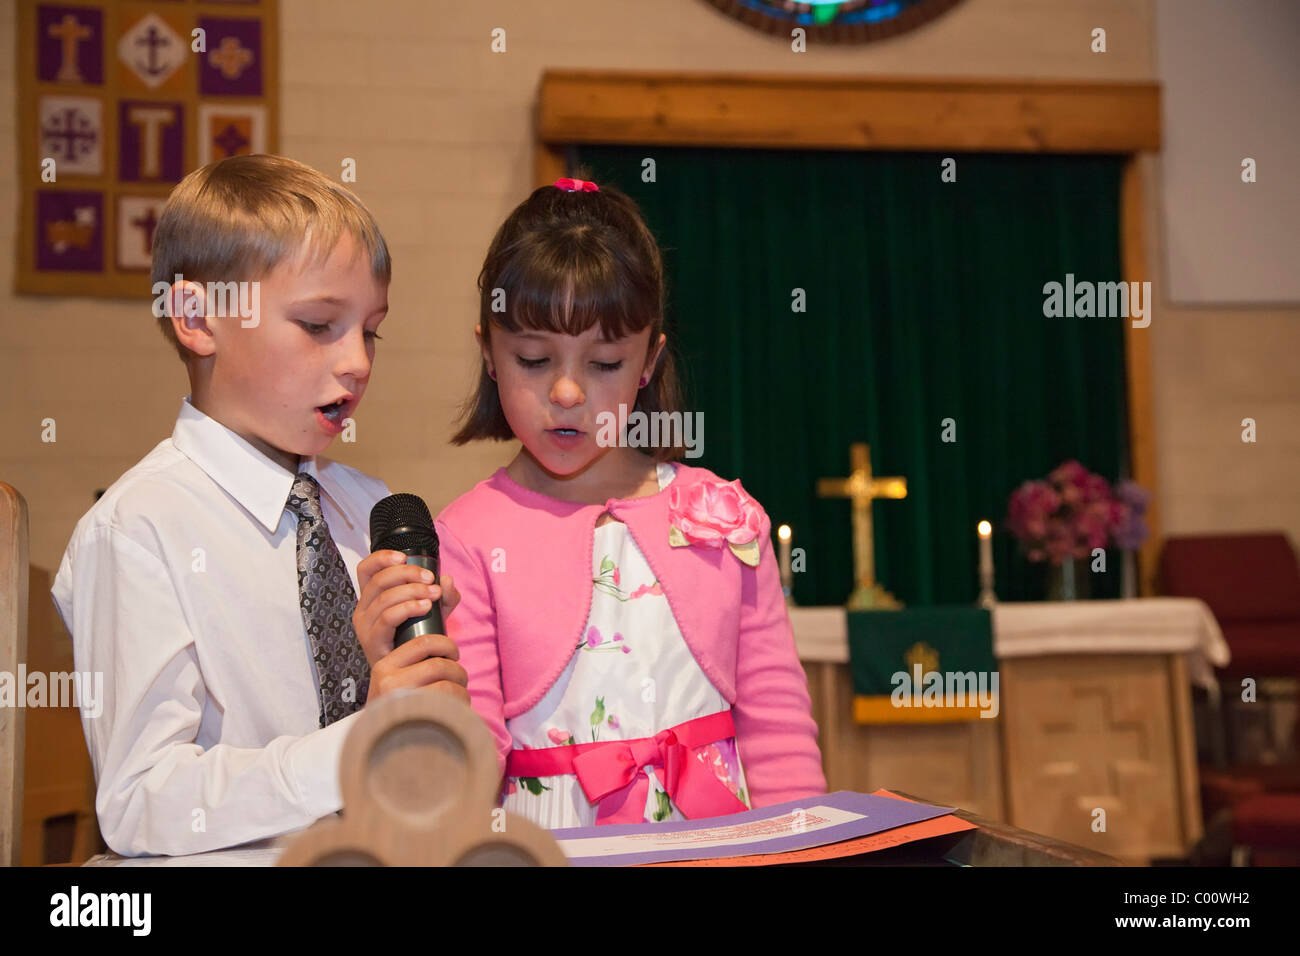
x=70 y=134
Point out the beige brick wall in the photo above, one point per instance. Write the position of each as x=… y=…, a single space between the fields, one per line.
x=1212 y=368
x=440 y=128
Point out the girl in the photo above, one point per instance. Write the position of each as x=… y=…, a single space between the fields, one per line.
x=620 y=616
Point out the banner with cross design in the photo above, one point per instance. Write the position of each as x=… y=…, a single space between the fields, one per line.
x=117 y=101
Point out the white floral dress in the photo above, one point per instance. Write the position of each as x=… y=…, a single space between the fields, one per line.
x=631 y=676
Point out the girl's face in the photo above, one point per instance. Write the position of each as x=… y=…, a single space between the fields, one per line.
x=555 y=387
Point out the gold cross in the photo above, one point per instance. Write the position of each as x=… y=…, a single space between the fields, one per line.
x=863 y=489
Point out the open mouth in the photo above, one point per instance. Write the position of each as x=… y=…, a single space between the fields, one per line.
x=334 y=410
x=565 y=431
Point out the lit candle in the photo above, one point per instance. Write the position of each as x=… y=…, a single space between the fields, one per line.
x=785 y=535
x=985 y=530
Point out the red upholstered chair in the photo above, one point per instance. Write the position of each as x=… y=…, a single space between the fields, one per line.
x=1252 y=584
x=1268 y=825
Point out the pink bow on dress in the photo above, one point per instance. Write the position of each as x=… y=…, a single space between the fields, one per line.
x=610 y=772
x=612 y=776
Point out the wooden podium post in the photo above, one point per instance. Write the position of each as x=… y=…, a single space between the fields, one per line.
x=419 y=780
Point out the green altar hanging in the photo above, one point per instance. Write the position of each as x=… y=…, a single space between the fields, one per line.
x=929 y=664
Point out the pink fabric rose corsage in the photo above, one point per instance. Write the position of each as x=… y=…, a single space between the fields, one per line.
x=711 y=513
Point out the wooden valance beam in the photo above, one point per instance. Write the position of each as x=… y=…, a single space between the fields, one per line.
x=806 y=112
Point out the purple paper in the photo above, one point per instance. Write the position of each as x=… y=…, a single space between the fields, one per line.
x=878 y=814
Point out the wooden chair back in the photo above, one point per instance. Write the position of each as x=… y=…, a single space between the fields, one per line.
x=13 y=650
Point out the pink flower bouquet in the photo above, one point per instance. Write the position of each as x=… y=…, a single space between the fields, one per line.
x=1064 y=517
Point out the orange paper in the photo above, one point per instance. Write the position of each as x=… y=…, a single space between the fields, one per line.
x=909 y=833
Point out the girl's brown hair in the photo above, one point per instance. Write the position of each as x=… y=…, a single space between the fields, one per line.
x=563 y=262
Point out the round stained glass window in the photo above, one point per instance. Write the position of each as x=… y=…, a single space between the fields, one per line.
x=842 y=21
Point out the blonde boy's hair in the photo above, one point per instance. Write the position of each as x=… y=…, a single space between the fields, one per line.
x=237 y=219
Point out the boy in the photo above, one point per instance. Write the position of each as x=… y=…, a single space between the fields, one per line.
x=214 y=583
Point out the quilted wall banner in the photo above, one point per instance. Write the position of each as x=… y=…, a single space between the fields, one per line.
x=117 y=101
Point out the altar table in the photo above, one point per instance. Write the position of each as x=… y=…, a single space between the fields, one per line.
x=1093 y=743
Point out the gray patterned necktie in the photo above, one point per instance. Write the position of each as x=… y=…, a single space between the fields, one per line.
x=327 y=600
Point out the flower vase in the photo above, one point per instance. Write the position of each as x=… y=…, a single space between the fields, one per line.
x=1068 y=581
x=1128 y=574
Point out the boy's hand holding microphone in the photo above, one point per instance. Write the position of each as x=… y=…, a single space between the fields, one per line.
x=398 y=619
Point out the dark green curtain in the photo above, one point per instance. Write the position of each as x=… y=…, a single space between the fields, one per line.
x=924 y=301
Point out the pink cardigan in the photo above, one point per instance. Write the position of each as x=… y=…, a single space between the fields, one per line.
x=522 y=564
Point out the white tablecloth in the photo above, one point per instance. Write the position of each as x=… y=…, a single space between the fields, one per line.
x=1137 y=626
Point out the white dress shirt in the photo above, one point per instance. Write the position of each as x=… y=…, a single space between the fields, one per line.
x=180 y=585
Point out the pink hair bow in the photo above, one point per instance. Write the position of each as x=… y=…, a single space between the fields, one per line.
x=576 y=185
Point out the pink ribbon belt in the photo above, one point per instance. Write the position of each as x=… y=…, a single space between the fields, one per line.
x=610 y=771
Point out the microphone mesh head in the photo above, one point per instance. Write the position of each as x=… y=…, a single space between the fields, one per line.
x=402 y=523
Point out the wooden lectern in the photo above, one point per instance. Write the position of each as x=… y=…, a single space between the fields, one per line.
x=419 y=780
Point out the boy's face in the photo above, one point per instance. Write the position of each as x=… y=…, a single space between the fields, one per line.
x=554 y=387
x=288 y=382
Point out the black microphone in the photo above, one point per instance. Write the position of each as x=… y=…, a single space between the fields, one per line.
x=403 y=523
